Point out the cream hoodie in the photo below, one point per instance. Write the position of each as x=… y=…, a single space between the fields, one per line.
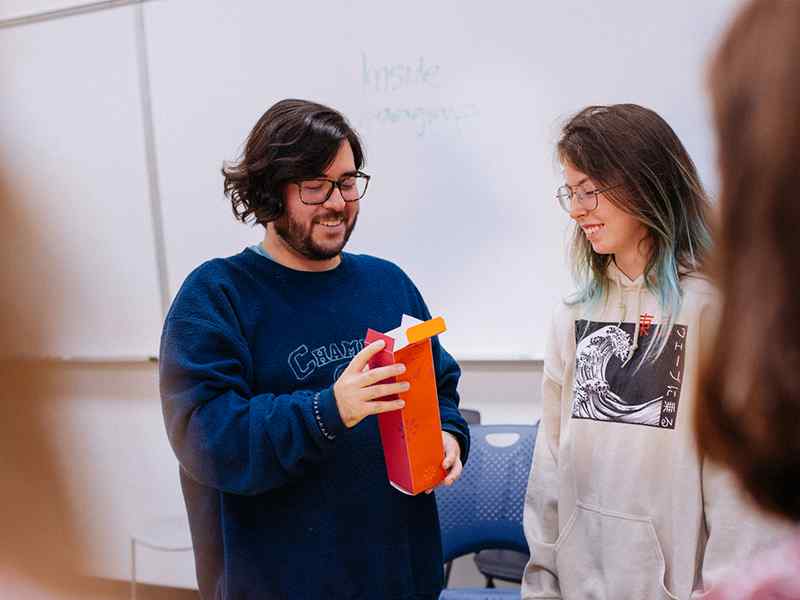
x=619 y=504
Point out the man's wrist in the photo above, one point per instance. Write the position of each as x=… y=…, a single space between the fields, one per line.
x=326 y=414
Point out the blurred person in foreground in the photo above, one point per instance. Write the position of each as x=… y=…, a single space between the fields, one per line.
x=748 y=416
x=42 y=548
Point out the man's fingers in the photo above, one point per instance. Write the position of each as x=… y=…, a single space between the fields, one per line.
x=361 y=359
x=454 y=473
x=375 y=375
x=382 y=406
x=452 y=450
x=381 y=390
x=449 y=459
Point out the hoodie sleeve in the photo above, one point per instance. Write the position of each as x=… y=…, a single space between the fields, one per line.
x=540 y=516
x=736 y=530
x=224 y=435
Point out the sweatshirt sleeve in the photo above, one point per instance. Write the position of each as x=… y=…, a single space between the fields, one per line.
x=736 y=530
x=540 y=515
x=447 y=375
x=225 y=436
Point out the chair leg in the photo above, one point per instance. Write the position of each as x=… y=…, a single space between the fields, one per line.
x=448 y=566
x=133 y=568
x=490 y=581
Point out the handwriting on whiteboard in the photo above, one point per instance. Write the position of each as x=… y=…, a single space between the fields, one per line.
x=412 y=94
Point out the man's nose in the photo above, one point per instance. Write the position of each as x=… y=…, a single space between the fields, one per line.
x=335 y=200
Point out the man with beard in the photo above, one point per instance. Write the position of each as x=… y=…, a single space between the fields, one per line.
x=268 y=402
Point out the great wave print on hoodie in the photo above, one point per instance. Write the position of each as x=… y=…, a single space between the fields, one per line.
x=613 y=383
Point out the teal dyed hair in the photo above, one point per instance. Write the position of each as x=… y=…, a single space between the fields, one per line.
x=631 y=145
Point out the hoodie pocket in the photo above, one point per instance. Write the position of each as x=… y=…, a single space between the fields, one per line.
x=602 y=555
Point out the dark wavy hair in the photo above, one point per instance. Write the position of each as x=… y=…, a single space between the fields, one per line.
x=294 y=139
x=748 y=410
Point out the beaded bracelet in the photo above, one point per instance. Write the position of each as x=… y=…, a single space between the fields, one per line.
x=318 y=417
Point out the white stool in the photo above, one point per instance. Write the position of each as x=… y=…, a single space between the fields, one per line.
x=165 y=534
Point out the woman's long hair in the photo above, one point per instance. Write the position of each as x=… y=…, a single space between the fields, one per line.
x=632 y=147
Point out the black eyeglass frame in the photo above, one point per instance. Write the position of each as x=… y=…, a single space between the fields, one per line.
x=595 y=192
x=334 y=184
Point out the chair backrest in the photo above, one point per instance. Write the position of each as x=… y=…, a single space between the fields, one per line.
x=471 y=416
x=483 y=509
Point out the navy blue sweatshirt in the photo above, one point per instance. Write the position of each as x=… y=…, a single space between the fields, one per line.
x=284 y=501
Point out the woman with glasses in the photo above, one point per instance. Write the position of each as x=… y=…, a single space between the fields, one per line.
x=620 y=504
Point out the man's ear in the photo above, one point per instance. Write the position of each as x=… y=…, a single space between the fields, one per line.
x=272 y=199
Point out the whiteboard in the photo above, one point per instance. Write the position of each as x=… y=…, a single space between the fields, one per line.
x=459 y=105
x=77 y=229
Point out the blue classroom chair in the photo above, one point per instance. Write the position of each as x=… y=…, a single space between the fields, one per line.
x=483 y=509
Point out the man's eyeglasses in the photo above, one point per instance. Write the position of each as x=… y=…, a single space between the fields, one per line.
x=318 y=190
x=585 y=199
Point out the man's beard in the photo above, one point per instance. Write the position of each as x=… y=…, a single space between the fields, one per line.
x=300 y=240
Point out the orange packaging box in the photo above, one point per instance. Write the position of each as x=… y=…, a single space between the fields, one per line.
x=412 y=436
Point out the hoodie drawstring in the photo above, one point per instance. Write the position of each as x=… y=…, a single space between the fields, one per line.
x=636 y=318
